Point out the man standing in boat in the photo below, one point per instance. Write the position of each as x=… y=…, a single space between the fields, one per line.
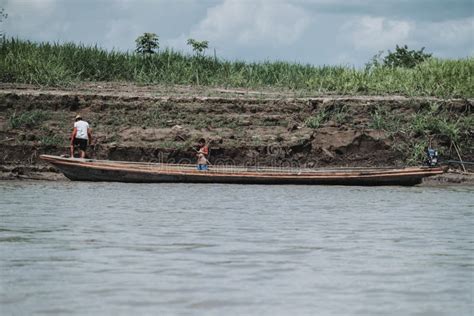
x=81 y=136
x=202 y=155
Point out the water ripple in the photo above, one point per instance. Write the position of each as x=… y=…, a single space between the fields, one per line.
x=109 y=248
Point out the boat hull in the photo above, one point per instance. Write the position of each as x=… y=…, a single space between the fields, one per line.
x=97 y=170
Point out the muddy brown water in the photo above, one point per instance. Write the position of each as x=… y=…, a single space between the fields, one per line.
x=176 y=249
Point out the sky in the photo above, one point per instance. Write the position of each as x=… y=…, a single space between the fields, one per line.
x=319 y=32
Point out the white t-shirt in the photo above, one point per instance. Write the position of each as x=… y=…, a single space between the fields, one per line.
x=81 y=127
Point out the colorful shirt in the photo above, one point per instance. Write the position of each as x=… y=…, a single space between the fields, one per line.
x=202 y=153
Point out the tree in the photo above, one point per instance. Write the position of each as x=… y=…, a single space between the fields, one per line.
x=405 y=58
x=198 y=46
x=3 y=16
x=147 y=43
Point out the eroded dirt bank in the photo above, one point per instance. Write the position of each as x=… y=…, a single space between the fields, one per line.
x=162 y=124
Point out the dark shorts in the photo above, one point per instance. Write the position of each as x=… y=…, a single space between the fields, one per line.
x=80 y=143
x=202 y=167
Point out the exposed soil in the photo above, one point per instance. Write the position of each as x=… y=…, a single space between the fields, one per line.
x=162 y=124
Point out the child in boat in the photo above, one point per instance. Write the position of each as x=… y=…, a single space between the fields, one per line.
x=81 y=136
x=202 y=154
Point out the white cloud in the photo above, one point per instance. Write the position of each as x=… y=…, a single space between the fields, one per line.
x=447 y=38
x=119 y=31
x=313 y=31
x=253 y=22
x=38 y=4
x=378 y=33
x=453 y=32
x=34 y=16
x=444 y=39
x=30 y=8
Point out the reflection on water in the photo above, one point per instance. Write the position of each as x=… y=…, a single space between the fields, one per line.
x=94 y=248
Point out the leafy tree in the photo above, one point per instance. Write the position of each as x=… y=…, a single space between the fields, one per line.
x=147 y=43
x=405 y=58
x=198 y=46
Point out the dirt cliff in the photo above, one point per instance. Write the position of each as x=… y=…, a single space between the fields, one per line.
x=159 y=123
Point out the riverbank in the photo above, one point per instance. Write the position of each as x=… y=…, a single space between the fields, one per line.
x=269 y=127
x=23 y=173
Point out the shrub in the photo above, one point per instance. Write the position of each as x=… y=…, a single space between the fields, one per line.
x=405 y=58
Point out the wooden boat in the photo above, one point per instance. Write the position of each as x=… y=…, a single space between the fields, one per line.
x=121 y=171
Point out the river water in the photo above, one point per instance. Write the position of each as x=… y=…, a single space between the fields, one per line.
x=179 y=249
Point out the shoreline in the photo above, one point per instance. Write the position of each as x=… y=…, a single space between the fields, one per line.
x=157 y=123
x=451 y=178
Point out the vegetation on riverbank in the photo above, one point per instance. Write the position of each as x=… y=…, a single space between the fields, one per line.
x=410 y=133
x=326 y=131
x=446 y=129
x=63 y=64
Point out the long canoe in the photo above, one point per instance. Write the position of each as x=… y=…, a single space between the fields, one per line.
x=121 y=171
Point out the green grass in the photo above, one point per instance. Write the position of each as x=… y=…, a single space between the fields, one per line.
x=428 y=124
x=62 y=64
x=383 y=119
x=176 y=145
x=341 y=115
x=155 y=117
x=440 y=123
x=316 y=121
x=27 y=119
x=417 y=152
x=52 y=140
x=437 y=123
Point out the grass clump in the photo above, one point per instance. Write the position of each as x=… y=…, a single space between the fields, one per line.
x=27 y=119
x=440 y=123
x=382 y=119
x=61 y=64
x=154 y=117
x=52 y=140
x=417 y=152
x=427 y=124
x=316 y=121
x=411 y=134
x=341 y=115
x=378 y=120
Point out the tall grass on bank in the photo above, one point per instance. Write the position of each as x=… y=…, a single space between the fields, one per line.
x=62 y=64
x=27 y=119
x=411 y=133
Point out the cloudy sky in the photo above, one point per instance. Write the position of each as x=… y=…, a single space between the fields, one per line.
x=319 y=32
